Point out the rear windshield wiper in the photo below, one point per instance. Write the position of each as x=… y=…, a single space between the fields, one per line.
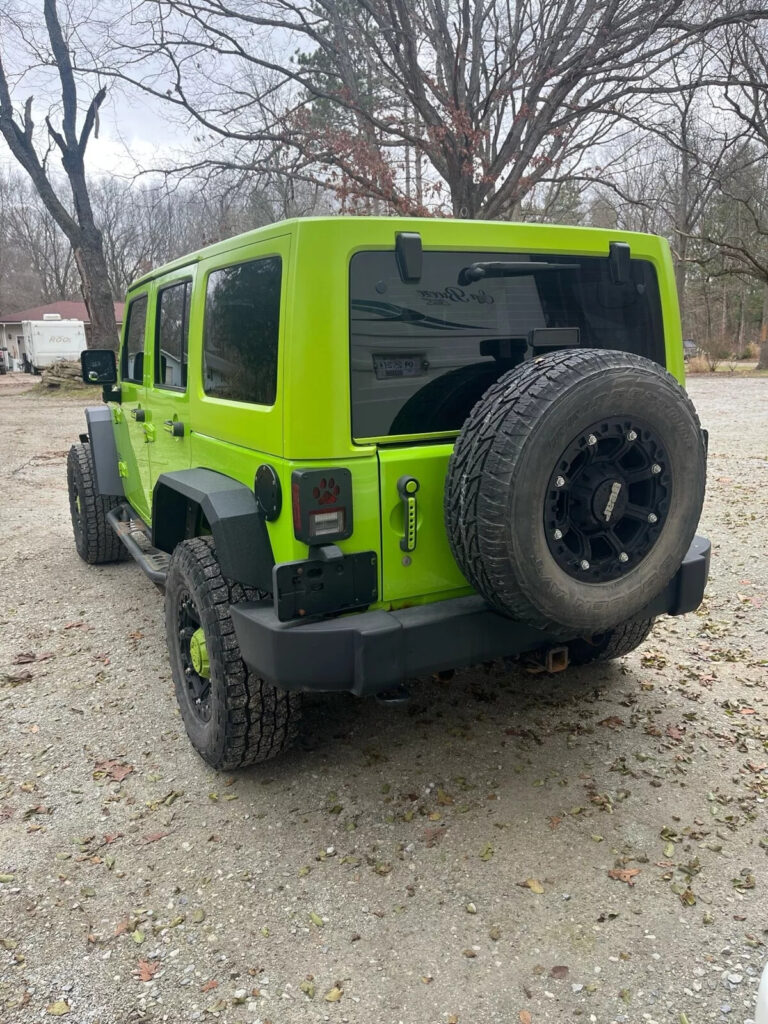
x=479 y=271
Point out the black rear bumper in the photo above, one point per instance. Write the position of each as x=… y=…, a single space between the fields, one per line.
x=373 y=651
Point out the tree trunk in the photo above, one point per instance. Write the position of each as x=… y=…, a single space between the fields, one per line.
x=92 y=266
x=763 y=361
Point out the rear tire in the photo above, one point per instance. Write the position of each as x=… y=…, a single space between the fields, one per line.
x=95 y=540
x=232 y=717
x=614 y=643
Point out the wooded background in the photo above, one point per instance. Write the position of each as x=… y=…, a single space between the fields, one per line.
x=639 y=114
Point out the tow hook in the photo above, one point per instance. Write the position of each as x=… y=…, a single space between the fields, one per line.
x=549 y=660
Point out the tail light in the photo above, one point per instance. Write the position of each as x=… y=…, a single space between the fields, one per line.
x=322 y=505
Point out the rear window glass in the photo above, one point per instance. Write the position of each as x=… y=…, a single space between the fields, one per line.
x=242 y=322
x=423 y=352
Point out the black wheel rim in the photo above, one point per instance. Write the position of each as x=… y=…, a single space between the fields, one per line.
x=607 y=500
x=198 y=688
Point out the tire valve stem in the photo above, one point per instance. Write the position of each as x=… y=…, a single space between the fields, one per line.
x=591 y=440
x=652 y=517
x=560 y=481
x=584 y=563
x=558 y=534
x=623 y=557
x=655 y=468
x=632 y=435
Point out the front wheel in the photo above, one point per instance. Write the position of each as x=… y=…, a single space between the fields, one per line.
x=95 y=540
x=232 y=717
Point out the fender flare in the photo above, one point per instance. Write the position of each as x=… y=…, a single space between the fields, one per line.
x=239 y=529
x=101 y=436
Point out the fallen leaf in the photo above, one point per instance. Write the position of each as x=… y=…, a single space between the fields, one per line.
x=114 y=769
x=612 y=722
x=487 y=852
x=333 y=995
x=25 y=658
x=57 y=1009
x=533 y=884
x=624 y=874
x=469 y=953
x=554 y=821
x=75 y=625
x=525 y=1017
x=433 y=834
x=674 y=733
x=154 y=836
x=209 y=985
x=148 y=969
x=560 y=972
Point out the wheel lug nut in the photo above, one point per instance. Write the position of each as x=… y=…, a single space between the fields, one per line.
x=652 y=517
x=623 y=557
x=591 y=439
x=584 y=563
x=558 y=534
x=560 y=481
x=655 y=468
x=632 y=435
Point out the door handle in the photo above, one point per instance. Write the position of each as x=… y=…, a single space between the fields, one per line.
x=174 y=427
x=139 y=415
x=407 y=486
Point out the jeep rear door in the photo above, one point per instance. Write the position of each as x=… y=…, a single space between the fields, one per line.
x=169 y=389
x=423 y=351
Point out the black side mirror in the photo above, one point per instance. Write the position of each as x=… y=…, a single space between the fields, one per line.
x=99 y=366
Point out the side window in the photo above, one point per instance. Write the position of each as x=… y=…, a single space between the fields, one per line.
x=132 y=362
x=242 y=319
x=171 y=336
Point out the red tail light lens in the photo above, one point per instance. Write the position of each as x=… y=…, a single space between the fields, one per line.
x=322 y=505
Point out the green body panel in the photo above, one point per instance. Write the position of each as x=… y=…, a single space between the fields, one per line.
x=429 y=568
x=309 y=425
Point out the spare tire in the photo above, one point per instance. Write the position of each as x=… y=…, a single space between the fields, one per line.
x=575 y=488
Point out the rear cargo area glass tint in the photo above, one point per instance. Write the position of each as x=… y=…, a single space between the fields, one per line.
x=423 y=352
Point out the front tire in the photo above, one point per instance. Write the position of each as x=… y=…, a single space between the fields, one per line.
x=232 y=717
x=95 y=540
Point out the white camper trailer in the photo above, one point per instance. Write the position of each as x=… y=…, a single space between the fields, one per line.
x=43 y=342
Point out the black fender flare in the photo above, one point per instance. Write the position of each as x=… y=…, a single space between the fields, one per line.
x=239 y=529
x=101 y=435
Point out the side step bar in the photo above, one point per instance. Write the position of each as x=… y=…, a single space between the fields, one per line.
x=153 y=561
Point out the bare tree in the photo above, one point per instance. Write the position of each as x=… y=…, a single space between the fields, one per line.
x=494 y=97
x=79 y=227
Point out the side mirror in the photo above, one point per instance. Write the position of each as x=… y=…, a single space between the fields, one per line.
x=99 y=366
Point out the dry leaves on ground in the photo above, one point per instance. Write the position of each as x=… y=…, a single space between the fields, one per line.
x=627 y=875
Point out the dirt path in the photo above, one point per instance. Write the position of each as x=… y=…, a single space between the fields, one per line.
x=445 y=863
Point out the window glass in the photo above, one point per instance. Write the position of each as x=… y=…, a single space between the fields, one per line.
x=424 y=352
x=172 y=336
x=132 y=366
x=242 y=319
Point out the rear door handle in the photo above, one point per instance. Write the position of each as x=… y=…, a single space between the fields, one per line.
x=407 y=486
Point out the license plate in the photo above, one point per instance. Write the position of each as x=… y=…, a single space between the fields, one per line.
x=398 y=366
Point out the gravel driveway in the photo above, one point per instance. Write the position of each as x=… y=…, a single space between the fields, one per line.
x=514 y=848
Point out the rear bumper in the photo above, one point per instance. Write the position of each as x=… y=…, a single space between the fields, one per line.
x=373 y=651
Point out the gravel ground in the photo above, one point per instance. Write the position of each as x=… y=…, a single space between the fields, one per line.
x=450 y=862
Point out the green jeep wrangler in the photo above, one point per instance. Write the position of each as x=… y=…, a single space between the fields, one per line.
x=357 y=450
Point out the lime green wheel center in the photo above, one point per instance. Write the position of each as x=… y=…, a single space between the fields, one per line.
x=198 y=652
